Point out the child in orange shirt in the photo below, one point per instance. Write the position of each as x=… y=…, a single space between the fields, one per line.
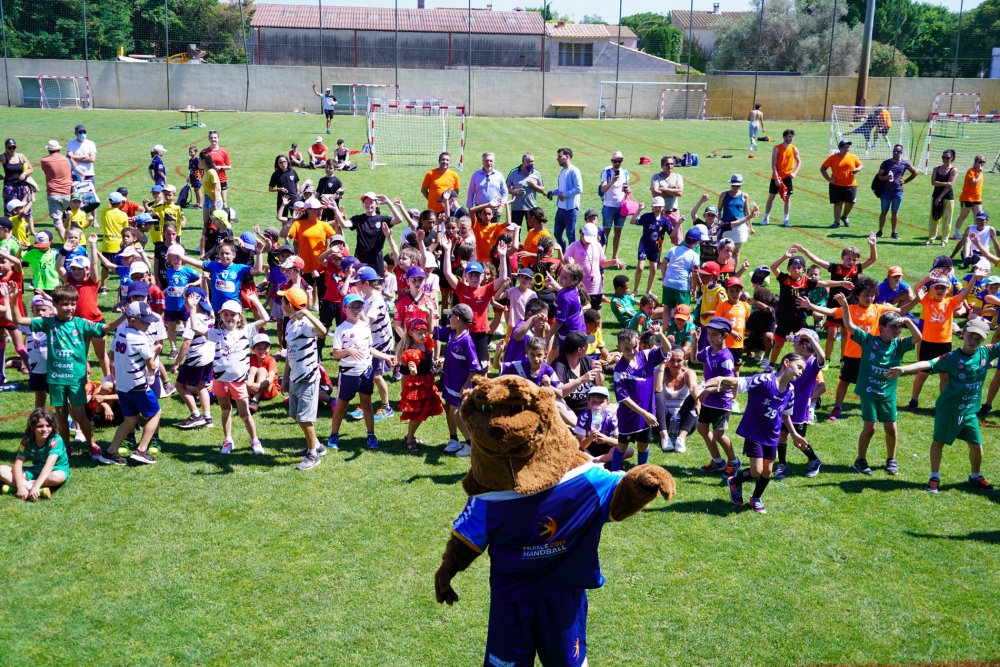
x=736 y=312
x=938 y=314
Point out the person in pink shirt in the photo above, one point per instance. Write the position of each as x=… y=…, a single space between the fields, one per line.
x=589 y=254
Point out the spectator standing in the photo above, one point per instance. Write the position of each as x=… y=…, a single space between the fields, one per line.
x=569 y=189
x=284 y=181
x=486 y=185
x=756 y=119
x=83 y=152
x=843 y=184
x=972 y=193
x=614 y=190
x=734 y=207
x=667 y=183
x=220 y=159
x=58 y=184
x=329 y=104
x=438 y=181
x=942 y=199
x=524 y=182
x=16 y=170
x=891 y=172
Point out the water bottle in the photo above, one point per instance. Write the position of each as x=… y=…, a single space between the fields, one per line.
x=674 y=427
x=596 y=419
x=8 y=387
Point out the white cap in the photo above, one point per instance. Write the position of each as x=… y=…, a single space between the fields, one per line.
x=159 y=148
x=261 y=338
x=53 y=145
x=14 y=203
x=138 y=267
x=319 y=140
x=312 y=202
x=658 y=201
x=590 y=231
x=232 y=306
x=128 y=251
x=176 y=249
x=617 y=155
x=429 y=261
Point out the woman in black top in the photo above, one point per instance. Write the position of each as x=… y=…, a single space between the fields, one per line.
x=942 y=199
x=284 y=180
x=16 y=169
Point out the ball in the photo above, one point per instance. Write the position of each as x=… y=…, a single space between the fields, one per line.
x=6 y=489
x=154 y=451
x=124 y=451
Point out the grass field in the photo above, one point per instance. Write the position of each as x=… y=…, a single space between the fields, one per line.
x=205 y=559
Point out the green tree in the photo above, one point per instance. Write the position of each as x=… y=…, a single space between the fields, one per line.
x=664 y=42
x=640 y=23
x=883 y=64
x=979 y=35
x=593 y=19
x=926 y=31
x=550 y=15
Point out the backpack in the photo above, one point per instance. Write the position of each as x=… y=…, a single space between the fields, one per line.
x=183 y=196
x=878 y=187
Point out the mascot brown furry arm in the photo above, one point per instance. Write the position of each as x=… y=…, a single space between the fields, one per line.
x=539 y=504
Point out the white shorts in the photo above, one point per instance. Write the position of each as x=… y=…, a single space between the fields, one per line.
x=754 y=129
x=738 y=235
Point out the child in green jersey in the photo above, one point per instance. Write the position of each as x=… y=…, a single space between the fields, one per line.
x=875 y=385
x=955 y=411
x=47 y=462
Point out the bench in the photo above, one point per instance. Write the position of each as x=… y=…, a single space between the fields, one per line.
x=581 y=108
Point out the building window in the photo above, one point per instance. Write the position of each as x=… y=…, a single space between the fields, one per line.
x=576 y=54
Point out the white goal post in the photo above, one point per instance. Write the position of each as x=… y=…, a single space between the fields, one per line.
x=879 y=128
x=363 y=94
x=966 y=134
x=962 y=103
x=403 y=135
x=682 y=103
x=648 y=99
x=64 y=92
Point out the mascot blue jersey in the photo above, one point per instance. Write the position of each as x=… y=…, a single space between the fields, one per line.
x=546 y=542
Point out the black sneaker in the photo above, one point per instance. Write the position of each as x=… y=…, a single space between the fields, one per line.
x=835 y=225
x=103 y=290
x=321 y=450
x=142 y=458
x=861 y=466
x=192 y=422
x=895 y=236
x=878 y=234
x=844 y=219
x=984 y=411
x=912 y=405
x=111 y=459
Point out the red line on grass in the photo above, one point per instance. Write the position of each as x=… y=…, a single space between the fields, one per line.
x=118 y=178
x=640 y=141
x=16 y=415
x=133 y=136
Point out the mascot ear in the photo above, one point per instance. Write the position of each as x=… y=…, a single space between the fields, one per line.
x=543 y=401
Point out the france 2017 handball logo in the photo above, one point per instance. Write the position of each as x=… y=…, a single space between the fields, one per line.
x=546 y=528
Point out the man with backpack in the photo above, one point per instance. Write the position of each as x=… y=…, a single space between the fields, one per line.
x=890 y=173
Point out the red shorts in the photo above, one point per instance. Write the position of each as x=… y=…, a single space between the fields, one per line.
x=271 y=391
x=237 y=391
x=248 y=290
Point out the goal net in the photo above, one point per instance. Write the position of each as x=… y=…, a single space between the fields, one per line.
x=648 y=99
x=405 y=135
x=363 y=94
x=682 y=104
x=967 y=103
x=64 y=92
x=966 y=134
x=872 y=130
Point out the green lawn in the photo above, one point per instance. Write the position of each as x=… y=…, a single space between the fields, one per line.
x=205 y=559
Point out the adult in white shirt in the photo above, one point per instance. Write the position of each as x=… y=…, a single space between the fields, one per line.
x=589 y=254
x=680 y=276
x=614 y=190
x=570 y=186
x=329 y=104
x=83 y=152
x=667 y=183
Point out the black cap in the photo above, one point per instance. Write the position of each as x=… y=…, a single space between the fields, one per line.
x=943 y=262
x=759 y=275
x=6 y=223
x=575 y=340
x=122 y=191
x=10 y=143
x=79 y=129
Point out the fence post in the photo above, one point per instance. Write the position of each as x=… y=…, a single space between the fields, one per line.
x=756 y=64
x=545 y=4
x=958 y=42
x=892 y=65
x=6 y=74
x=246 y=55
x=166 y=48
x=469 y=110
x=320 y=48
x=86 y=54
x=829 y=60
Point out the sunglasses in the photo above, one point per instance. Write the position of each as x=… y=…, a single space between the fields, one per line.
x=355 y=306
x=616 y=162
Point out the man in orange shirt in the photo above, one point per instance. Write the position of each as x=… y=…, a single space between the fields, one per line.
x=317 y=153
x=736 y=313
x=438 y=181
x=843 y=185
x=972 y=193
x=785 y=164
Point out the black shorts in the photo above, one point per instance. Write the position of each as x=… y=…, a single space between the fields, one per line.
x=224 y=185
x=517 y=217
x=597 y=449
x=38 y=382
x=110 y=256
x=799 y=428
x=644 y=436
x=717 y=418
x=970 y=204
x=318 y=283
x=481 y=339
x=328 y=113
x=329 y=312
x=737 y=353
x=787 y=326
x=596 y=301
x=930 y=350
x=754 y=342
x=847 y=194
x=849 y=369
x=772 y=188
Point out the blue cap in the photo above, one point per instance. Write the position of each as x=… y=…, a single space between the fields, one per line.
x=693 y=234
x=116 y=198
x=248 y=240
x=138 y=288
x=415 y=272
x=368 y=273
x=352 y=298
x=144 y=217
x=204 y=303
x=156 y=188
x=527 y=273
x=348 y=262
x=473 y=267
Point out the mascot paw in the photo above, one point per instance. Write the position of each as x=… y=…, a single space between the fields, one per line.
x=655 y=479
x=443 y=590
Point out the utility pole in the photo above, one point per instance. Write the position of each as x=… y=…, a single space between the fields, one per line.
x=866 y=54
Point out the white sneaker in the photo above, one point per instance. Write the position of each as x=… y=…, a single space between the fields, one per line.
x=679 y=446
x=227 y=447
x=452 y=446
x=737 y=410
x=787 y=223
x=79 y=437
x=811 y=419
x=464 y=451
x=765 y=220
x=258 y=449
x=765 y=365
x=666 y=444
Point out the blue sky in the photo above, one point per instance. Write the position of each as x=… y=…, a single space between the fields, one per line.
x=577 y=9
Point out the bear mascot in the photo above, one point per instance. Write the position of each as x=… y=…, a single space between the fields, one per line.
x=539 y=504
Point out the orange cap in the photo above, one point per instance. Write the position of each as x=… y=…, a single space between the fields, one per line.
x=682 y=312
x=895 y=271
x=296 y=296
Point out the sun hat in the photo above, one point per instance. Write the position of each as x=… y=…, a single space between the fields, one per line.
x=128 y=251
x=943 y=262
x=736 y=179
x=711 y=210
x=53 y=145
x=992 y=280
x=617 y=155
x=40 y=301
x=591 y=213
x=169 y=188
x=156 y=188
x=313 y=203
x=732 y=282
x=159 y=147
x=527 y=273
x=221 y=217
x=15 y=203
x=982 y=215
x=348 y=262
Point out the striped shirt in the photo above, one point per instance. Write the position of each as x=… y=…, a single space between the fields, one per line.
x=132 y=349
x=200 y=352
x=357 y=336
x=380 y=323
x=303 y=357
x=232 y=353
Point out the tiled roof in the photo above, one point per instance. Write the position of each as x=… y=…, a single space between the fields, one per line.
x=586 y=31
x=410 y=20
x=700 y=20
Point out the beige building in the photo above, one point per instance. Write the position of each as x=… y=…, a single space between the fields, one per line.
x=702 y=26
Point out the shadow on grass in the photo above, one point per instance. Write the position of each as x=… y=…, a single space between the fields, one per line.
x=869 y=484
x=987 y=536
x=716 y=507
x=453 y=478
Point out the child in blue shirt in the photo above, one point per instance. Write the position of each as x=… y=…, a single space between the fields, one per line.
x=226 y=277
x=157 y=171
x=179 y=278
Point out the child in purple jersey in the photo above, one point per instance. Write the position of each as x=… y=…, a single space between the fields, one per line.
x=806 y=345
x=534 y=324
x=769 y=406
x=634 y=375
x=713 y=419
x=569 y=313
x=534 y=367
x=461 y=362
x=597 y=428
